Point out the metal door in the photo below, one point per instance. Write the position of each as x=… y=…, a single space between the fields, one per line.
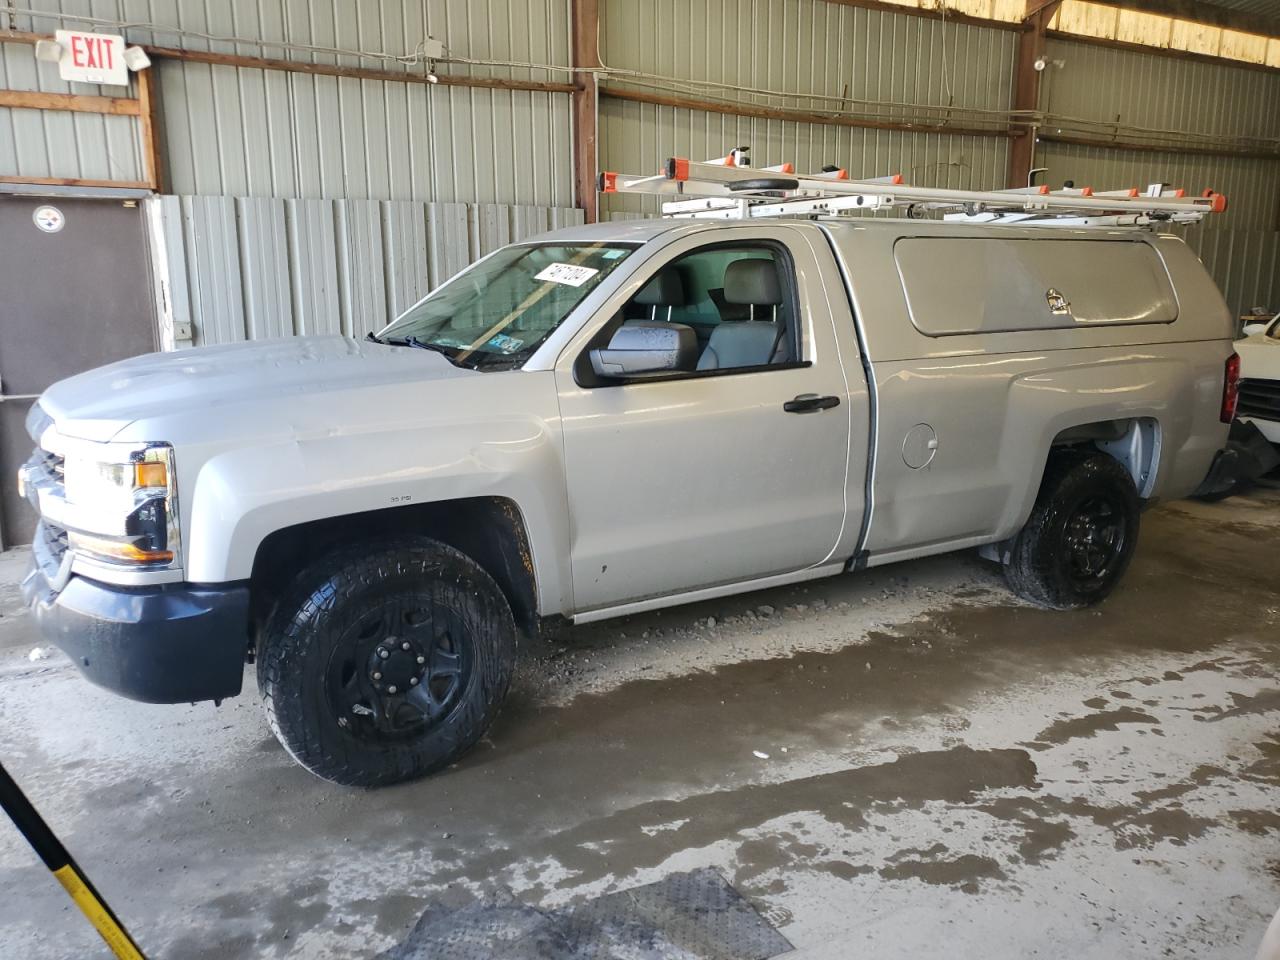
x=75 y=293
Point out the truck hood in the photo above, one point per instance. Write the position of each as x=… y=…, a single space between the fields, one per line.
x=98 y=404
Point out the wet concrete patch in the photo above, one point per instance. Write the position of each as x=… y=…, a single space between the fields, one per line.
x=1071 y=728
x=966 y=871
x=595 y=849
x=906 y=740
x=1267 y=701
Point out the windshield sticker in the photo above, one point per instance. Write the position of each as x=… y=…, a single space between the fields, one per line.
x=506 y=344
x=612 y=254
x=569 y=274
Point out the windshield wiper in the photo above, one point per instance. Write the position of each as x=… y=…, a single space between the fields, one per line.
x=417 y=343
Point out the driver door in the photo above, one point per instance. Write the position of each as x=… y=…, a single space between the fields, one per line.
x=732 y=471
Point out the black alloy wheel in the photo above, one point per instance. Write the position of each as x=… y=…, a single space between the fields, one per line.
x=398 y=671
x=386 y=661
x=1081 y=534
x=1095 y=534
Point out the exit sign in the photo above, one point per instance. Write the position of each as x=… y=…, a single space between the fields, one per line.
x=92 y=58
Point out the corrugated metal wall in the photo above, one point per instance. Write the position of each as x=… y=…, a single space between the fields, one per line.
x=250 y=267
x=803 y=46
x=39 y=143
x=245 y=132
x=1097 y=83
x=252 y=134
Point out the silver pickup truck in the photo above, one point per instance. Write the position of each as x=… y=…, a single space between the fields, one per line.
x=605 y=420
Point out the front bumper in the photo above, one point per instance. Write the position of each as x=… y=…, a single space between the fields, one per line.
x=168 y=643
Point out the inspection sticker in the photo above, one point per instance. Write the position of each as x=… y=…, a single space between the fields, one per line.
x=567 y=273
x=505 y=344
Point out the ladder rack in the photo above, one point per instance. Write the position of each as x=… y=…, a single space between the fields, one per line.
x=729 y=188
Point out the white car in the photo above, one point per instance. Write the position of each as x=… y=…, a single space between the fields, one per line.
x=1260 y=377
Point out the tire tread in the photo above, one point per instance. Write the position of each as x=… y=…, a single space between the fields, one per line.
x=316 y=598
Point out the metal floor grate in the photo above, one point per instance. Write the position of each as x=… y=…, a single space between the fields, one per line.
x=684 y=916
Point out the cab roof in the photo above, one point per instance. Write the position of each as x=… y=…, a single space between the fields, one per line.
x=647 y=229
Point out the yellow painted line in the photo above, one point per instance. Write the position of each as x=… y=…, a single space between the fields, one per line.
x=98 y=914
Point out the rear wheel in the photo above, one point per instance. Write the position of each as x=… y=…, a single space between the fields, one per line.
x=1081 y=534
x=385 y=662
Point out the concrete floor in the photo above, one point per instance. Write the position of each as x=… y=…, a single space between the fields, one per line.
x=900 y=763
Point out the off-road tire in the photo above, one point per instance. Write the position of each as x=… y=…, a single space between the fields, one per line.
x=1039 y=567
x=324 y=601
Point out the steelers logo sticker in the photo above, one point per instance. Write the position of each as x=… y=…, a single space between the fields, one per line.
x=49 y=219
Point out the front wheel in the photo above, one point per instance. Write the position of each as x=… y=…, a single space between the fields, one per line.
x=1081 y=534
x=386 y=662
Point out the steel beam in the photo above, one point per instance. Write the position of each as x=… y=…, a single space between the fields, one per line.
x=586 y=57
x=1026 y=85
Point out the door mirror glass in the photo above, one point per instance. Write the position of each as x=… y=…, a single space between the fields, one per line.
x=647 y=348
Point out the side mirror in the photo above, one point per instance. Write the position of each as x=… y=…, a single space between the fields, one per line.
x=1253 y=329
x=639 y=349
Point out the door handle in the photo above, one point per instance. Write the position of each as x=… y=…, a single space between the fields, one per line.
x=810 y=403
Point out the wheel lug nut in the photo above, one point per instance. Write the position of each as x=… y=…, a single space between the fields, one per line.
x=421 y=661
x=377 y=676
x=413 y=681
x=405 y=645
x=383 y=653
x=391 y=689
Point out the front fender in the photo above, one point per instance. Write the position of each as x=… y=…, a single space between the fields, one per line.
x=241 y=496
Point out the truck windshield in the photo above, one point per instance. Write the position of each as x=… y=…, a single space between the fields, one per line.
x=495 y=315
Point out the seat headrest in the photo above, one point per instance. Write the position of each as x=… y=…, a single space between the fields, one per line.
x=666 y=289
x=752 y=281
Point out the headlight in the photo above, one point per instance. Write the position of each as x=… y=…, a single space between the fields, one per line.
x=124 y=511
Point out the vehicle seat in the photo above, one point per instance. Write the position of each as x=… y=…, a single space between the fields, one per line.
x=747 y=343
x=665 y=290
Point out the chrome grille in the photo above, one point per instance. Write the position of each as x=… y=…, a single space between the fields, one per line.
x=43 y=470
x=1259 y=398
x=55 y=540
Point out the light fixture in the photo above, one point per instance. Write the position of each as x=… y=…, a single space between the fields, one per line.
x=48 y=50
x=135 y=58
